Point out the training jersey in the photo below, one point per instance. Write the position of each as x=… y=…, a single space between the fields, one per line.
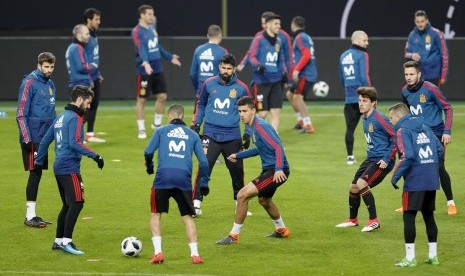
x=175 y=144
x=148 y=49
x=426 y=100
x=267 y=144
x=36 y=107
x=432 y=47
x=354 y=72
x=78 y=65
x=420 y=150
x=304 y=56
x=68 y=132
x=380 y=138
x=266 y=51
x=92 y=51
x=205 y=64
x=217 y=108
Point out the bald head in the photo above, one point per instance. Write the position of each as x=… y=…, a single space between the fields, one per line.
x=81 y=33
x=360 y=38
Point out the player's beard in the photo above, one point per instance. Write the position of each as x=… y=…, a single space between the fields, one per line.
x=83 y=108
x=225 y=77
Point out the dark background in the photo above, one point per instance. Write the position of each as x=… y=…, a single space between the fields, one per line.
x=30 y=27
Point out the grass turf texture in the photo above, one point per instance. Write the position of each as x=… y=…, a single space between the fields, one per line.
x=312 y=202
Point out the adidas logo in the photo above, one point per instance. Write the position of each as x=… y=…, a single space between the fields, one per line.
x=178 y=133
x=59 y=122
x=348 y=59
x=207 y=55
x=422 y=138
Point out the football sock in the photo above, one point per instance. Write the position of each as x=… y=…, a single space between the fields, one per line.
x=90 y=134
x=66 y=241
x=30 y=210
x=354 y=204
x=194 y=249
x=156 y=240
x=369 y=200
x=298 y=115
x=279 y=223
x=410 y=251
x=197 y=203
x=141 y=124
x=433 y=249
x=59 y=240
x=307 y=121
x=236 y=228
x=157 y=119
x=450 y=202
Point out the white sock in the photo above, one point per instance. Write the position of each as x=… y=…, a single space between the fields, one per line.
x=410 y=251
x=450 y=202
x=58 y=240
x=141 y=124
x=90 y=134
x=307 y=121
x=30 y=210
x=298 y=115
x=236 y=228
x=433 y=249
x=194 y=249
x=279 y=223
x=197 y=203
x=157 y=119
x=66 y=240
x=156 y=240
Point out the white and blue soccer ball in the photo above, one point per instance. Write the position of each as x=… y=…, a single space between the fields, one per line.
x=321 y=89
x=131 y=247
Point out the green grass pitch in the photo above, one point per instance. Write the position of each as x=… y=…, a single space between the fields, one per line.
x=312 y=202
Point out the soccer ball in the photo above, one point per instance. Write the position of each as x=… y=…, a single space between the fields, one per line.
x=131 y=247
x=321 y=89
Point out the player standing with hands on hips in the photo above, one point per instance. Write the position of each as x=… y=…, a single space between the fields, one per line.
x=175 y=144
x=68 y=132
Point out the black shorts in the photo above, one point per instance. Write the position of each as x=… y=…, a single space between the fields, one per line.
x=303 y=87
x=160 y=201
x=71 y=187
x=29 y=157
x=371 y=173
x=265 y=185
x=155 y=83
x=268 y=96
x=419 y=201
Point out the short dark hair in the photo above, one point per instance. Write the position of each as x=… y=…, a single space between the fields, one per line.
x=368 y=92
x=214 y=31
x=413 y=64
x=246 y=100
x=267 y=14
x=228 y=59
x=46 y=57
x=81 y=91
x=143 y=8
x=272 y=17
x=90 y=13
x=421 y=13
x=299 y=21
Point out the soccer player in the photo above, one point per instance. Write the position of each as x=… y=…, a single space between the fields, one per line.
x=275 y=171
x=427 y=46
x=92 y=21
x=426 y=100
x=206 y=60
x=150 y=76
x=354 y=68
x=268 y=68
x=216 y=108
x=420 y=152
x=77 y=61
x=35 y=114
x=68 y=133
x=175 y=144
x=304 y=73
x=380 y=159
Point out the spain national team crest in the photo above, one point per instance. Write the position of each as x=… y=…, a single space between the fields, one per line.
x=277 y=47
x=428 y=39
x=371 y=128
x=232 y=93
x=50 y=91
x=422 y=98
